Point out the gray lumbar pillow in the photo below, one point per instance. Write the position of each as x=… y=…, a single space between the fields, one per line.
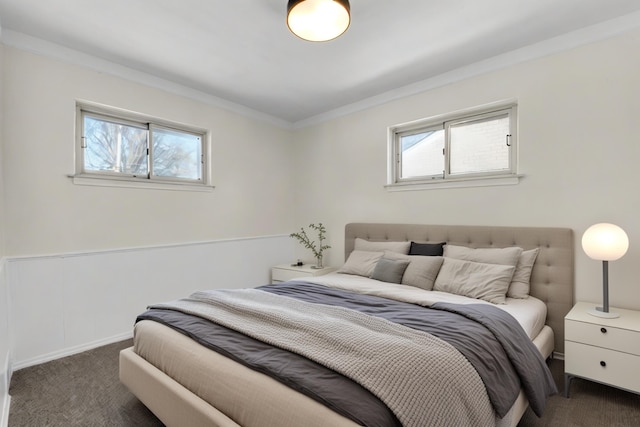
x=389 y=270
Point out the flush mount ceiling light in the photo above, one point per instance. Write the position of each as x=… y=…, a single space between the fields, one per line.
x=318 y=20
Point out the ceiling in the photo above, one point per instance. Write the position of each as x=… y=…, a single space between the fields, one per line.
x=241 y=51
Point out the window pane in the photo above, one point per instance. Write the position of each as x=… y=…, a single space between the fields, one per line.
x=177 y=154
x=479 y=146
x=114 y=147
x=421 y=154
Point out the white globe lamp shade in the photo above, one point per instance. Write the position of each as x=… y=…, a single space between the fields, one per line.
x=605 y=242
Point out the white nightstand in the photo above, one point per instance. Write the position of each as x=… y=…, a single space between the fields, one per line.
x=602 y=350
x=284 y=272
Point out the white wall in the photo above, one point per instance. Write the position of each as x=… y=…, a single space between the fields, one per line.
x=47 y=214
x=579 y=151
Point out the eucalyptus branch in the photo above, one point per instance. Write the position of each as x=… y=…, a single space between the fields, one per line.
x=304 y=239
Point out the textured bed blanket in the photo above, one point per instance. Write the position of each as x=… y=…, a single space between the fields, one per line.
x=489 y=338
x=423 y=379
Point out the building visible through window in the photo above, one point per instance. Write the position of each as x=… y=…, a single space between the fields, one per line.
x=472 y=145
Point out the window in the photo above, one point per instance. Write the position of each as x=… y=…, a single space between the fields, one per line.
x=476 y=145
x=121 y=147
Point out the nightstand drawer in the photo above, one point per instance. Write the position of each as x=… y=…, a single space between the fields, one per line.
x=282 y=275
x=620 y=369
x=603 y=336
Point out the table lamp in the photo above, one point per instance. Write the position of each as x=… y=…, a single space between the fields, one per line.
x=605 y=242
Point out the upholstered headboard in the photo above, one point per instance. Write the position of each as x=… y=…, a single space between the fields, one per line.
x=552 y=275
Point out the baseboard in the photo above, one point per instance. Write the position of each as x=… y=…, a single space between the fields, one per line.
x=5 y=398
x=71 y=351
x=4 y=411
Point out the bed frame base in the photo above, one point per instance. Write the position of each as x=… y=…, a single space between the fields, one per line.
x=172 y=403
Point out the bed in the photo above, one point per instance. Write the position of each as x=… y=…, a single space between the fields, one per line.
x=186 y=384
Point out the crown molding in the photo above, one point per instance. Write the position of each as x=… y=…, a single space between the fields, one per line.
x=568 y=41
x=55 y=51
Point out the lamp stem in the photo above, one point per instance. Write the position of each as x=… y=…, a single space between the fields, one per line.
x=604 y=310
x=605 y=286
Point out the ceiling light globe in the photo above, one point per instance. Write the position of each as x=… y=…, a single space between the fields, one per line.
x=605 y=242
x=318 y=20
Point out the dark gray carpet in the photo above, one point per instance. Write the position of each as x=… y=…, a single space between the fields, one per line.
x=79 y=390
x=84 y=390
x=590 y=405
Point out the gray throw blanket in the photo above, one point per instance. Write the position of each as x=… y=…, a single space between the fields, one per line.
x=535 y=377
x=423 y=380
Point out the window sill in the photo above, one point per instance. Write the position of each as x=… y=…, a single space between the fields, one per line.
x=455 y=183
x=136 y=183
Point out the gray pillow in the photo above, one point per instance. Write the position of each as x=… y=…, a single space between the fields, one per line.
x=389 y=270
x=421 y=271
x=521 y=282
x=488 y=282
x=361 y=263
x=366 y=245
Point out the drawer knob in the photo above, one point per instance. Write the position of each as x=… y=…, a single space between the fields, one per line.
x=603 y=363
x=603 y=330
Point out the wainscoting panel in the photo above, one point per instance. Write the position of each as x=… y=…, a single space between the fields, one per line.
x=64 y=304
x=5 y=350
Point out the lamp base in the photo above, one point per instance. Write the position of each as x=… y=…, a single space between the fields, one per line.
x=606 y=314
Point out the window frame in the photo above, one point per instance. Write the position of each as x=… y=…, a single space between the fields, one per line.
x=444 y=122
x=148 y=123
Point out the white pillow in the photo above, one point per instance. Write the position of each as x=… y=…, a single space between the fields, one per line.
x=366 y=245
x=361 y=263
x=421 y=271
x=521 y=282
x=488 y=282
x=502 y=256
